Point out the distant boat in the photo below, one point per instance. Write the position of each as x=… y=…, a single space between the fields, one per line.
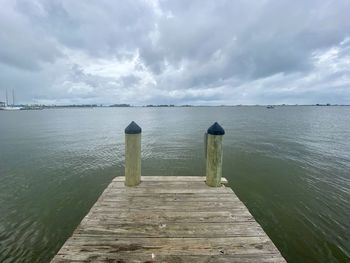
x=12 y=107
x=270 y=107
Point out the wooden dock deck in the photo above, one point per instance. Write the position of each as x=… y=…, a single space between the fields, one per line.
x=168 y=219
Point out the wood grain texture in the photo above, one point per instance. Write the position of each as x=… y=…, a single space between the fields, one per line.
x=170 y=178
x=168 y=219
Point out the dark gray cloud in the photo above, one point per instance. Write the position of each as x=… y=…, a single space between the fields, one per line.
x=199 y=52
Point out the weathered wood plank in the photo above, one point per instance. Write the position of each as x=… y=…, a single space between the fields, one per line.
x=176 y=197
x=173 y=190
x=109 y=211
x=155 y=204
x=168 y=219
x=169 y=197
x=170 y=178
x=170 y=229
x=182 y=199
x=168 y=246
x=132 y=216
x=164 y=185
x=149 y=258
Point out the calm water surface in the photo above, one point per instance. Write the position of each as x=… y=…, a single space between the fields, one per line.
x=289 y=165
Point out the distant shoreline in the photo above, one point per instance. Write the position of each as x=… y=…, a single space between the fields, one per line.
x=30 y=107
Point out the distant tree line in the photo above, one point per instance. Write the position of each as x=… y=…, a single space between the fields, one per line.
x=120 y=105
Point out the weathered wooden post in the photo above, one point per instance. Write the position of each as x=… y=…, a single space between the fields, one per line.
x=214 y=155
x=132 y=154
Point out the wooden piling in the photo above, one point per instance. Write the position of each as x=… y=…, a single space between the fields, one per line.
x=132 y=154
x=214 y=155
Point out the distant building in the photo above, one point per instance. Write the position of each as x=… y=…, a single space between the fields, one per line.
x=2 y=104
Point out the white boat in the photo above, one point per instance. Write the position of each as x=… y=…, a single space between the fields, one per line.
x=12 y=107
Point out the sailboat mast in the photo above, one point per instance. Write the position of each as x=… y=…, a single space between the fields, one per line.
x=6 y=98
x=13 y=97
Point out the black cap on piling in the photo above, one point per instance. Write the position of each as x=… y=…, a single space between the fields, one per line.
x=216 y=129
x=133 y=128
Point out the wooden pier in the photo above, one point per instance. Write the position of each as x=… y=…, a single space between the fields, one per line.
x=168 y=219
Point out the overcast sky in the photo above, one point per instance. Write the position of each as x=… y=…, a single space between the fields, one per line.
x=179 y=52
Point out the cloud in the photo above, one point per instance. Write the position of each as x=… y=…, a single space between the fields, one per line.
x=197 y=52
x=23 y=45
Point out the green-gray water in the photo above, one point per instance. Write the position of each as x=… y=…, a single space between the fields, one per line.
x=289 y=165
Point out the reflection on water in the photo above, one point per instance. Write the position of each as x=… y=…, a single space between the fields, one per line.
x=290 y=166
